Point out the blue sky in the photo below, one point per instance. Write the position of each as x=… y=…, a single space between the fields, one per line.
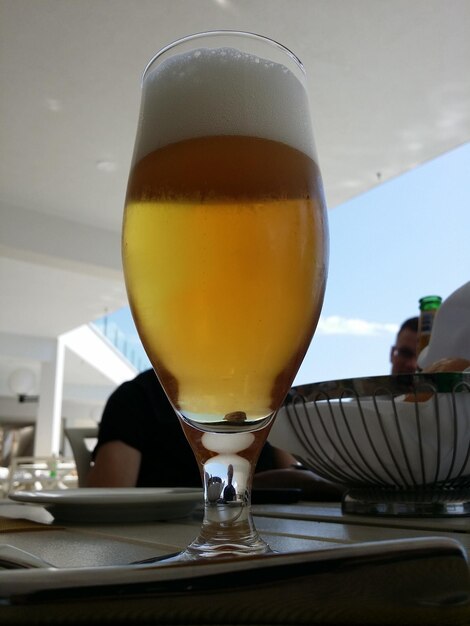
x=407 y=238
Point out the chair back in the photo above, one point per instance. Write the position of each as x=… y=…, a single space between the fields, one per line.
x=78 y=438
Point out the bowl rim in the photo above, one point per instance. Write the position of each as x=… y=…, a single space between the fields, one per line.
x=391 y=385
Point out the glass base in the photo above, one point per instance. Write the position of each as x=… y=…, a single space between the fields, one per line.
x=227 y=531
x=230 y=534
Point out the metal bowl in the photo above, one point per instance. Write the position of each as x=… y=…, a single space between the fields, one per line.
x=399 y=444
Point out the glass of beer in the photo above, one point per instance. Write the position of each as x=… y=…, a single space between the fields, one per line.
x=225 y=255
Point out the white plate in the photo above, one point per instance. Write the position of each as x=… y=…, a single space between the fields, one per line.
x=114 y=505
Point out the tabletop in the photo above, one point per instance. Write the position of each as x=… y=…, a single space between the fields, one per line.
x=329 y=568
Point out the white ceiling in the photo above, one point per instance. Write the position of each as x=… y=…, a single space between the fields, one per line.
x=389 y=87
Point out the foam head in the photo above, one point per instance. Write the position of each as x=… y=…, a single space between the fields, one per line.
x=222 y=91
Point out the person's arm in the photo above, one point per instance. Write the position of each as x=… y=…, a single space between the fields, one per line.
x=116 y=465
x=314 y=488
x=288 y=473
x=117 y=456
x=283 y=459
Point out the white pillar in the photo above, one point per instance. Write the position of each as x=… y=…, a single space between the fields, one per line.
x=48 y=422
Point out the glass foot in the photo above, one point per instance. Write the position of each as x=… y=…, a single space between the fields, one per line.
x=231 y=538
x=244 y=542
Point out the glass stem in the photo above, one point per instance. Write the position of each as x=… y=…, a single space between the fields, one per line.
x=228 y=461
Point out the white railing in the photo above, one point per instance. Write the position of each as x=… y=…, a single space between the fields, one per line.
x=129 y=346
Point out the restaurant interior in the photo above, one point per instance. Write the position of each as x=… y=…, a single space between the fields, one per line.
x=389 y=90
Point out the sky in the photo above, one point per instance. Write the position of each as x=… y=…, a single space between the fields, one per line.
x=406 y=238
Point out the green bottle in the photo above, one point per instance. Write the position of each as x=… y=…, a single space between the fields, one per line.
x=427 y=310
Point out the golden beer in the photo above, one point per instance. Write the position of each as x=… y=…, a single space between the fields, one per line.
x=224 y=251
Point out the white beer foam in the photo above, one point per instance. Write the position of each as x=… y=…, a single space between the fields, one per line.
x=211 y=92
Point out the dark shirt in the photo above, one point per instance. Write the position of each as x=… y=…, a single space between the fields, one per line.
x=139 y=414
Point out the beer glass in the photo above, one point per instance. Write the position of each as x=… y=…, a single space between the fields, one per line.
x=225 y=254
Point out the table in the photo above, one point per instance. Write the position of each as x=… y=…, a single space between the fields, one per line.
x=334 y=592
x=286 y=528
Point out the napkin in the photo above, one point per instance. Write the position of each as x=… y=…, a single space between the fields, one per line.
x=450 y=337
x=15 y=525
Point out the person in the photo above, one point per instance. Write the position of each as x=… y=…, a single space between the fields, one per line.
x=403 y=355
x=141 y=444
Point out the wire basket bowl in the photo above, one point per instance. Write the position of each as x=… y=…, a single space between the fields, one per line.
x=399 y=444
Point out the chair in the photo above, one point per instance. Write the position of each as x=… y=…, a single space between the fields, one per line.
x=14 y=442
x=79 y=442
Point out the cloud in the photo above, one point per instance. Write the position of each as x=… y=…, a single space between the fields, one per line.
x=336 y=325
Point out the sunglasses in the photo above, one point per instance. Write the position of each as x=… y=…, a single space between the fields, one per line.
x=403 y=353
